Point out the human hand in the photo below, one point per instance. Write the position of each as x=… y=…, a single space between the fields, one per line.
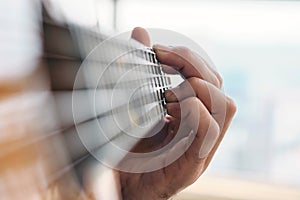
x=198 y=109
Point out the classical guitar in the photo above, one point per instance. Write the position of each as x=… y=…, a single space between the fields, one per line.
x=90 y=93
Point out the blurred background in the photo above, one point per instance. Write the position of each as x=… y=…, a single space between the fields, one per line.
x=255 y=46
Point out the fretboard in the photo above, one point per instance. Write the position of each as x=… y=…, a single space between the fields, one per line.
x=107 y=91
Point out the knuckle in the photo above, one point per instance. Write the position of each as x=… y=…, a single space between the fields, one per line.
x=194 y=101
x=220 y=79
x=191 y=106
x=212 y=131
x=183 y=52
x=231 y=106
x=216 y=82
x=194 y=80
x=215 y=128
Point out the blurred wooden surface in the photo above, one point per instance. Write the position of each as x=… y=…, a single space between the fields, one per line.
x=232 y=188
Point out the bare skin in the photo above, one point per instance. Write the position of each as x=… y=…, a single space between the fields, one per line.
x=206 y=83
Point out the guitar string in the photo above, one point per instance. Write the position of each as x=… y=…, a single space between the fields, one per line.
x=39 y=139
x=122 y=85
x=56 y=175
x=103 y=114
x=71 y=166
x=55 y=132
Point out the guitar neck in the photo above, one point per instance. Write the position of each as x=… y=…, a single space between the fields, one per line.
x=83 y=93
x=106 y=90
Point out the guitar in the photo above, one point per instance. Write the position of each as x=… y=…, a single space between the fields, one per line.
x=90 y=94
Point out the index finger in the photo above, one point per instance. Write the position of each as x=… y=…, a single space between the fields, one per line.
x=186 y=62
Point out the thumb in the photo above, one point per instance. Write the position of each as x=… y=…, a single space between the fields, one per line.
x=141 y=35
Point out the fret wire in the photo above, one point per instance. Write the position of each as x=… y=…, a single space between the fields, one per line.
x=152 y=86
x=164 y=89
x=153 y=71
x=164 y=80
x=165 y=77
x=143 y=50
x=157 y=80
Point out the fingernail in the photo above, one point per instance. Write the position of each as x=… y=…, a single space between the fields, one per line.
x=173 y=109
x=170 y=106
x=169 y=95
x=160 y=48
